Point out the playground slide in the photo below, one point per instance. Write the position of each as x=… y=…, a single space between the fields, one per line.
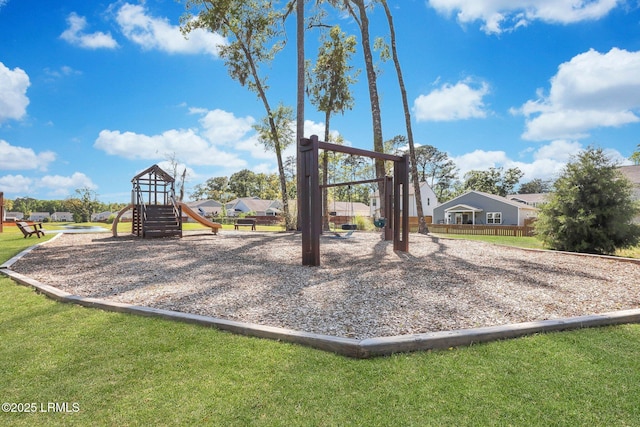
x=185 y=209
x=114 y=226
x=202 y=220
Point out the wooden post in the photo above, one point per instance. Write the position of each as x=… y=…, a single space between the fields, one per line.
x=401 y=205
x=1 y=210
x=310 y=202
x=310 y=197
x=388 y=194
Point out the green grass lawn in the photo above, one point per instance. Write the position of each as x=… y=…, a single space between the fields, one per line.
x=120 y=369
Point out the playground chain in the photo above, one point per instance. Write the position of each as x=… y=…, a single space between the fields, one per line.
x=362 y=289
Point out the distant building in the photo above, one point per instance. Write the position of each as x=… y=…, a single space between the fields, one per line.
x=428 y=196
x=349 y=209
x=633 y=174
x=476 y=207
x=101 y=216
x=13 y=216
x=62 y=216
x=535 y=199
x=206 y=208
x=255 y=205
x=39 y=216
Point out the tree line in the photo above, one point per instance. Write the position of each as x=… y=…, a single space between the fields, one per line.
x=432 y=165
x=82 y=205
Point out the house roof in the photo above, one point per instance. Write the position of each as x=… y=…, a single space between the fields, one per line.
x=529 y=198
x=632 y=173
x=155 y=169
x=498 y=198
x=253 y=204
x=205 y=203
x=358 y=208
x=462 y=208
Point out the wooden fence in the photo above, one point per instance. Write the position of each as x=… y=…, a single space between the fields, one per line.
x=482 y=230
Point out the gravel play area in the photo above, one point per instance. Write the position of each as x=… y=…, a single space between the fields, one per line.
x=363 y=289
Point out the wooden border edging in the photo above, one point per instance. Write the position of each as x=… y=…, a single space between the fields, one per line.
x=344 y=346
x=11 y=261
x=366 y=348
x=362 y=349
x=441 y=340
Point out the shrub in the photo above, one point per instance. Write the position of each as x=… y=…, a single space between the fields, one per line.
x=591 y=209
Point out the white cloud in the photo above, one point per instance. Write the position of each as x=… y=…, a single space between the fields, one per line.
x=157 y=33
x=506 y=15
x=480 y=160
x=65 y=185
x=13 y=90
x=452 y=102
x=15 y=184
x=560 y=150
x=20 y=158
x=61 y=72
x=547 y=161
x=186 y=144
x=75 y=35
x=221 y=127
x=592 y=90
x=166 y=165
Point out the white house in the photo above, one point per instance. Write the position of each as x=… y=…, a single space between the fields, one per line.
x=39 y=216
x=13 y=216
x=337 y=208
x=101 y=216
x=206 y=208
x=62 y=216
x=429 y=201
x=253 y=204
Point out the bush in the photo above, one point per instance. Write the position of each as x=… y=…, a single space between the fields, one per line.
x=591 y=209
x=364 y=223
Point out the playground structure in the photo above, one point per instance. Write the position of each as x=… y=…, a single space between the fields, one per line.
x=395 y=190
x=156 y=212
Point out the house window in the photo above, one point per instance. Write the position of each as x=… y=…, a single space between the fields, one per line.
x=494 y=217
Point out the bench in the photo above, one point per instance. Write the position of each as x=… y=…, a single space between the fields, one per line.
x=247 y=222
x=29 y=231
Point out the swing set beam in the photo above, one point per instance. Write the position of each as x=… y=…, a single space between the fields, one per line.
x=395 y=203
x=343 y=184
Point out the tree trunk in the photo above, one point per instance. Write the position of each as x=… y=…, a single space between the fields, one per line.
x=422 y=224
x=325 y=175
x=274 y=134
x=378 y=143
x=300 y=94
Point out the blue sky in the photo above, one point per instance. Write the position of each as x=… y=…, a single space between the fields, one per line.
x=91 y=93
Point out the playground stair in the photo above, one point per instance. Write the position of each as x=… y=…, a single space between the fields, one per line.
x=161 y=221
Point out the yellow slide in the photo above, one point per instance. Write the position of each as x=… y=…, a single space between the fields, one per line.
x=202 y=220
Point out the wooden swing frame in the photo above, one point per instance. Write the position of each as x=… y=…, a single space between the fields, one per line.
x=396 y=194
